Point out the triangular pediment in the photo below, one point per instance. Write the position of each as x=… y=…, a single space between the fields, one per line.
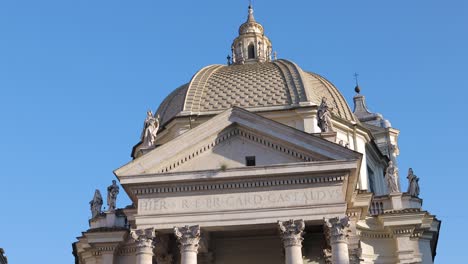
x=226 y=140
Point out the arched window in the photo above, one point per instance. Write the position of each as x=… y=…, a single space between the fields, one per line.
x=251 y=51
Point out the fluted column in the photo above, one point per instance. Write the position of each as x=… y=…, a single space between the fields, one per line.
x=144 y=245
x=291 y=234
x=337 y=233
x=188 y=238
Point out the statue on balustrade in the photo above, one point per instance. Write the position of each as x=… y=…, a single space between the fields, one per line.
x=112 y=192
x=150 y=130
x=96 y=204
x=391 y=177
x=413 y=183
x=324 y=120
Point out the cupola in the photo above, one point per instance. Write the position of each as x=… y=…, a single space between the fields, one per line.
x=251 y=45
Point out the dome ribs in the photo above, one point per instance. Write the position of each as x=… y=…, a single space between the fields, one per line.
x=280 y=84
x=341 y=107
x=291 y=73
x=172 y=104
x=197 y=86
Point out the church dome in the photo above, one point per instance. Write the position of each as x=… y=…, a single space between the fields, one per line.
x=252 y=80
x=262 y=86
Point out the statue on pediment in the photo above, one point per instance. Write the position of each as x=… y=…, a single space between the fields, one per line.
x=324 y=120
x=96 y=204
x=112 y=192
x=391 y=177
x=150 y=130
x=413 y=183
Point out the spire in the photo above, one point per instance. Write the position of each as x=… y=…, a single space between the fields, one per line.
x=250 y=17
x=362 y=112
x=251 y=46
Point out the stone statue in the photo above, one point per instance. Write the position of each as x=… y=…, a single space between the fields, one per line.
x=96 y=204
x=150 y=129
x=112 y=192
x=413 y=183
x=391 y=177
x=324 y=120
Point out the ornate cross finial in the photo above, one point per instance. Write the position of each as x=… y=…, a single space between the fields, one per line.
x=250 y=17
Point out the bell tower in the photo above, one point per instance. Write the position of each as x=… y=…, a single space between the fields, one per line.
x=251 y=45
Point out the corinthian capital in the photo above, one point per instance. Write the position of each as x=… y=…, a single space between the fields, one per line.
x=337 y=229
x=291 y=232
x=143 y=237
x=188 y=237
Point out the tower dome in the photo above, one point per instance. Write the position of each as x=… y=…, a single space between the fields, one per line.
x=251 y=45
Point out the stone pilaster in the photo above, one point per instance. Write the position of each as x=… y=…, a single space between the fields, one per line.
x=405 y=245
x=89 y=257
x=144 y=245
x=336 y=230
x=106 y=253
x=291 y=234
x=353 y=239
x=188 y=238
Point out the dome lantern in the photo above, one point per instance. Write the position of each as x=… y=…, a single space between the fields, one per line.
x=251 y=45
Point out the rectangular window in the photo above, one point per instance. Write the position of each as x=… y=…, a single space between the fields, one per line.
x=250 y=161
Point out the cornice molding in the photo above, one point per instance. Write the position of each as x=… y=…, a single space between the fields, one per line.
x=239 y=184
x=371 y=234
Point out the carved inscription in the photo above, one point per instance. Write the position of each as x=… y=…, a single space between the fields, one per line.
x=241 y=201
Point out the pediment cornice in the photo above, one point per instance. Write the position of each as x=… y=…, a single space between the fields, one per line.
x=236 y=122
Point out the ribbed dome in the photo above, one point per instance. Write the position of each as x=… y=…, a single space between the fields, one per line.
x=279 y=84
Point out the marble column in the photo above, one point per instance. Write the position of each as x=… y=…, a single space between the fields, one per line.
x=291 y=234
x=337 y=234
x=144 y=245
x=188 y=238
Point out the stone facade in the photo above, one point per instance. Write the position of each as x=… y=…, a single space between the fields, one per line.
x=240 y=172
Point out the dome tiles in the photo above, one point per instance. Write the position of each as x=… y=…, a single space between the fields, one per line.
x=261 y=86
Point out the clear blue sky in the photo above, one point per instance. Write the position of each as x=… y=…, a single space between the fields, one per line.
x=76 y=79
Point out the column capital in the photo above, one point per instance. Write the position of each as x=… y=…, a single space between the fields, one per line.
x=336 y=229
x=188 y=237
x=291 y=232
x=143 y=238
